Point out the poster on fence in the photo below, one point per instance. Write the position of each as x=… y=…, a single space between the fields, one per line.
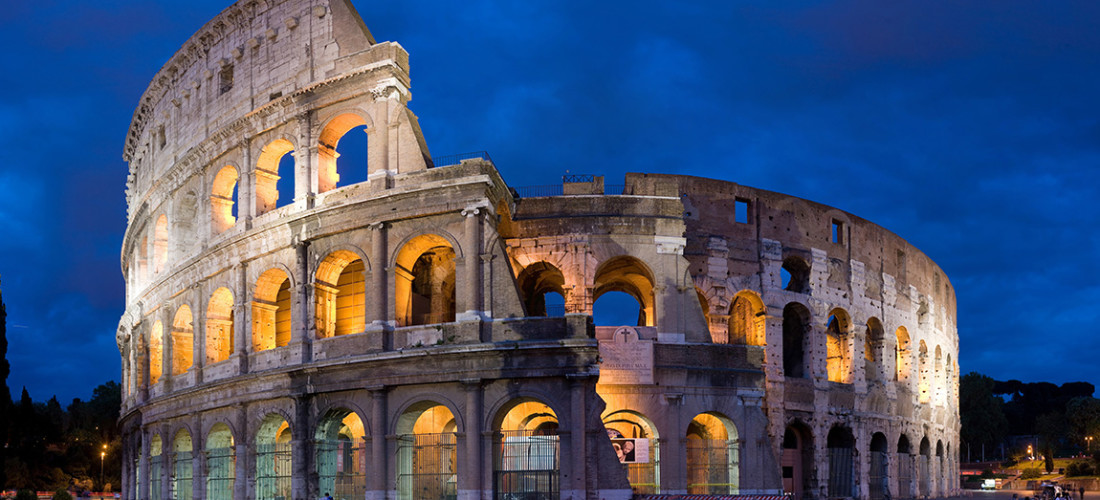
x=630 y=450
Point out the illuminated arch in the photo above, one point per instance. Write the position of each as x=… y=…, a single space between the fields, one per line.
x=219 y=326
x=223 y=199
x=340 y=294
x=923 y=380
x=156 y=352
x=644 y=473
x=182 y=455
x=631 y=276
x=747 y=319
x=526 y=458
x=903 y=351
x=269 y=169
x=426 y=438
x=328 y=175
x=156 y=465
x=271 y=310
x=712 y=455
x=425 y=281
x=221 y=463
x=536 y=281
x=160 y=244
x=273 y=453
x=873 y=342
x=341 y=454
x=838 y=362
x=183 y=340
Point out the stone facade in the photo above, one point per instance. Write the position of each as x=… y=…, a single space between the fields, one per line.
x=428 y=332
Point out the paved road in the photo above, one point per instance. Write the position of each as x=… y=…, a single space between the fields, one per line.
x=1007 y=495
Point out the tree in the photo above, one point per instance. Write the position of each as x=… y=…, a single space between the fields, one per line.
x=980 y=411
x=5 y=394
x=1083 y=416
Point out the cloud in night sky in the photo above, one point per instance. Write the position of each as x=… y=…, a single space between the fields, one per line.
x=969 y=129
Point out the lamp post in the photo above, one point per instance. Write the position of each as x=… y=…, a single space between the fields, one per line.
x=1088 y=443
x=102 y=456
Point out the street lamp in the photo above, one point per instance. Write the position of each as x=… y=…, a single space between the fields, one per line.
x=102 y=455
x=1088 y=441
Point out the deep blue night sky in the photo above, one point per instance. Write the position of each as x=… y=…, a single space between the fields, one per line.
x=968 y=128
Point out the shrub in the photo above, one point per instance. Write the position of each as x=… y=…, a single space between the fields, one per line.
x=26 y=495
x=62 y=495
x=1030 y=474
x=1079 y=468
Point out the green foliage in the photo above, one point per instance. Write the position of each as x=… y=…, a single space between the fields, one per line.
x=1030 y=474
x=1080 y=468
x=1048 y=462
x=26 y=495
x=987 y=474
x=980 y=411
x=62 y=495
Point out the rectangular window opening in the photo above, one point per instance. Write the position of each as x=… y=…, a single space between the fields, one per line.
x=741 y=211
x=225 y=79
x=838 y=231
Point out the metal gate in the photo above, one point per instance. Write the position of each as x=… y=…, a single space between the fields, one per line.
x=341 y=468
x=427 y=467
x=273 y=469
x=528 y=466
x=710 y=467
x=905 y=476
x=878 y=475
x=154 y=477
x=221 y=468
x=841 y=482
x=645 y=478
x=181 y=480
x=925 y=477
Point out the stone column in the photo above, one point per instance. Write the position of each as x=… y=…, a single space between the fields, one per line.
x=144 y=461
x=241 y=319
x=473 y=475
x=305 y=177
x=378 y=296
x=301 y=338
x=377 y=481
x=471 y=239
x=246 y=187
x=301 y=449
x=673 y=453
x=143 y=360
x=242 y=443
x=167 y=461
x=198 y=328
x=198 y=458
x=166 y=347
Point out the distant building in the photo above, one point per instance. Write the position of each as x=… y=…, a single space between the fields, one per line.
x=428 y=333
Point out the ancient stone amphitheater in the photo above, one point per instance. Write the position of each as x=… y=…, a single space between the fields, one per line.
x=415 y=328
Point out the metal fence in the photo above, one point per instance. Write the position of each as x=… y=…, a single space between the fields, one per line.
x=341 y=468
x=426 y=467
x=455 y=159
x=709 y=467
x=645 y=477
x=559 y=190
x=925 y=478
x=905 y=475
x=183 y=475
x=273 y=470
x=528 y=466
x=841 y=483
x=221 y=471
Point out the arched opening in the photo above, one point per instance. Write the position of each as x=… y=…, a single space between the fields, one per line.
x=160 y=244
x=274 y=176
x=923 y=386
x=879 y=462
x=156 y=352
x=542 y=286
x=221 y=463
x=156 y=466
x=905 y=468
x=425 y=281
x=182 y=473
x=795 y=275
x=526 y=461
x=219 y=326
x=342 y=152
x=271 y=311
x=273 y=458
x=925 y=467
x=796 y=324
x=427 y=465
x=872 y=350
x=183 y=341
x=798 y=459
x=143 y=259
x=746 y=319
x=341 y=295
x=629 y=276
x=939 y=383
x=341 y=454
x=712 y=456
x=636 y=443
x=841 y=444
x=902 y=350
x=837 y=361
x=223 y=199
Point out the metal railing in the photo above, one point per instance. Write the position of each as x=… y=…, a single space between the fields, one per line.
x=559 y=190
x=455 y=159
x=221 y=472
x=528 y=466
x=578 y=178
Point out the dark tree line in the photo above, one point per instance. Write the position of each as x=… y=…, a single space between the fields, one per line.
x=1061 y=417
x=47 y=447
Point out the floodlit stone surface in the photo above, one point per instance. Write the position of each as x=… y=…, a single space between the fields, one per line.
x=428 y=332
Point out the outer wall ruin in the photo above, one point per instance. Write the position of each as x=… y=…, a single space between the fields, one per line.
x=428 y=332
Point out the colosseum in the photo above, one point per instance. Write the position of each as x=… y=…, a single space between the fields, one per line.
x=416 y=328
